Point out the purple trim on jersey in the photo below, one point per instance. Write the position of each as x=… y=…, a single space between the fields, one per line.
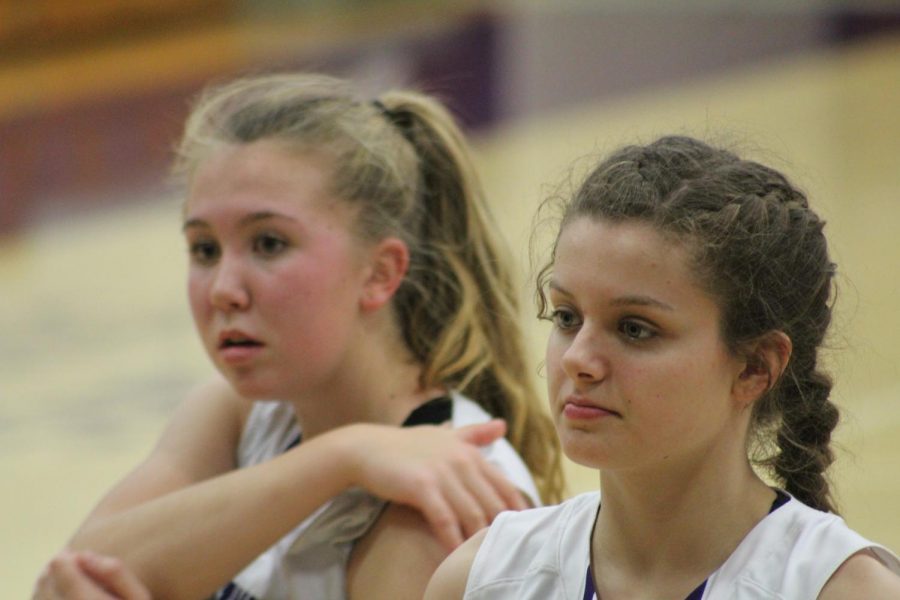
x=589 y=593
x=698 y=593
x=233 y=592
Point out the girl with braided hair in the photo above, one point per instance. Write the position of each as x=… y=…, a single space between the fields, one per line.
x=689 y=292
x=345 y=280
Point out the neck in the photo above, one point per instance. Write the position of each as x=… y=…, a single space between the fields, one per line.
x=672 y=528
x=378 y=382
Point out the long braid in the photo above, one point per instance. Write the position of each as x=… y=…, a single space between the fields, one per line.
x=760 y=251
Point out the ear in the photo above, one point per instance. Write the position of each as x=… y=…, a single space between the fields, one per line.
x=389 y=261
x=766 y=360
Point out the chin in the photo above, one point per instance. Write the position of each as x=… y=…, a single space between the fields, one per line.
x=589 y=461
x=585 y=450
x=251 y=388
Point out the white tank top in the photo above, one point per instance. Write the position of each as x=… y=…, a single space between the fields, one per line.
x=543 y=554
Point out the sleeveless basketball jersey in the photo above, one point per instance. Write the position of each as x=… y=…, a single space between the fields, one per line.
x=310 y=561
x=697 y=594
x=543 y=554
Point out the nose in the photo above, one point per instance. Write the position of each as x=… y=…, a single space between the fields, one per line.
x=584 y=360
x=229 y=291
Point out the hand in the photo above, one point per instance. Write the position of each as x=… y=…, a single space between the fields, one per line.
x=436 y=470
x=87 y=576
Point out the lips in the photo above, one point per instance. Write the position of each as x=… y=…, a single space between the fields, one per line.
x=237 y=339
x=580 y=408
x=236 y=348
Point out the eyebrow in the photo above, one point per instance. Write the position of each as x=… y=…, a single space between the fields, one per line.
x=630 y=300
x=641 y=301
x=255 y=217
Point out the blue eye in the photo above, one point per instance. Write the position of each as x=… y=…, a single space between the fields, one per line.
x=204 y=251
x=268 y=244
x=565 y=318
x=635 y=330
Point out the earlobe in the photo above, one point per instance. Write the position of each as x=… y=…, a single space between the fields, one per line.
x=389 y=264
x=767 y=358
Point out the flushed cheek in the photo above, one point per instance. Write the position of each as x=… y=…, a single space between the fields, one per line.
x=197 y=291
x=201 y=310
x=310 y=313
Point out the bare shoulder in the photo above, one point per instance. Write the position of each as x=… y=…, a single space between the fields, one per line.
x=205 y=428
x=449 y=581
x=396 y=558
x=862 y=575
x=215 y=395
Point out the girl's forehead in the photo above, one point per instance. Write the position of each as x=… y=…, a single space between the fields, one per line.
x=625 y=258
x=631 y=240
x=263 y=169
x=239 y=188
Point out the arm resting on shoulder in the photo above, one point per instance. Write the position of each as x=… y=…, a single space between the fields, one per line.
x=187 y=520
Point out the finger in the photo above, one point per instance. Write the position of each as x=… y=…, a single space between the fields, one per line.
x=112 y=573
x=69 y=582
x=510 y=496
x=467 y=492
x=482 y=434
x=442 y=520
x=488 y=488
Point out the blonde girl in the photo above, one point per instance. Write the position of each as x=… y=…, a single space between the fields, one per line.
x=345 y=279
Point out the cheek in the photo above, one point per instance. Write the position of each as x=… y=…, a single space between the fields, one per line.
x=197 y=296
x=311 y=302
x=303 y=287
x=692 y=381
x=556 y=347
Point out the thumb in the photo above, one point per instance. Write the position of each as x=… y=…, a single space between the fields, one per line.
x=112 y=574
x=482 y=434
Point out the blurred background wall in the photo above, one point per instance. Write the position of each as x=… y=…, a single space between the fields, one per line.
x=96 y=344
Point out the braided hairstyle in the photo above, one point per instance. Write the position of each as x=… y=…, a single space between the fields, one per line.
x=760 y=251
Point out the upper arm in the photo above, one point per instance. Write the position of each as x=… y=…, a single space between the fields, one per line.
x=198 y=443
x=450 y=578
x=396 y=558
x=862 y=576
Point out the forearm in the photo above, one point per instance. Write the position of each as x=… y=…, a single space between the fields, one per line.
x=189 y=542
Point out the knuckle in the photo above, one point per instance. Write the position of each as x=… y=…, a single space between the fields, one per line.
x=114 y=566
x=424 y=479
x=443 y=519
x=466 y=459
x=478 y=517
x=496 y=507
x=459 y=461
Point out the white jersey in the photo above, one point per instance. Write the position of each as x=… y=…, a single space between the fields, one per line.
x=544 y=553
x=310 y=561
